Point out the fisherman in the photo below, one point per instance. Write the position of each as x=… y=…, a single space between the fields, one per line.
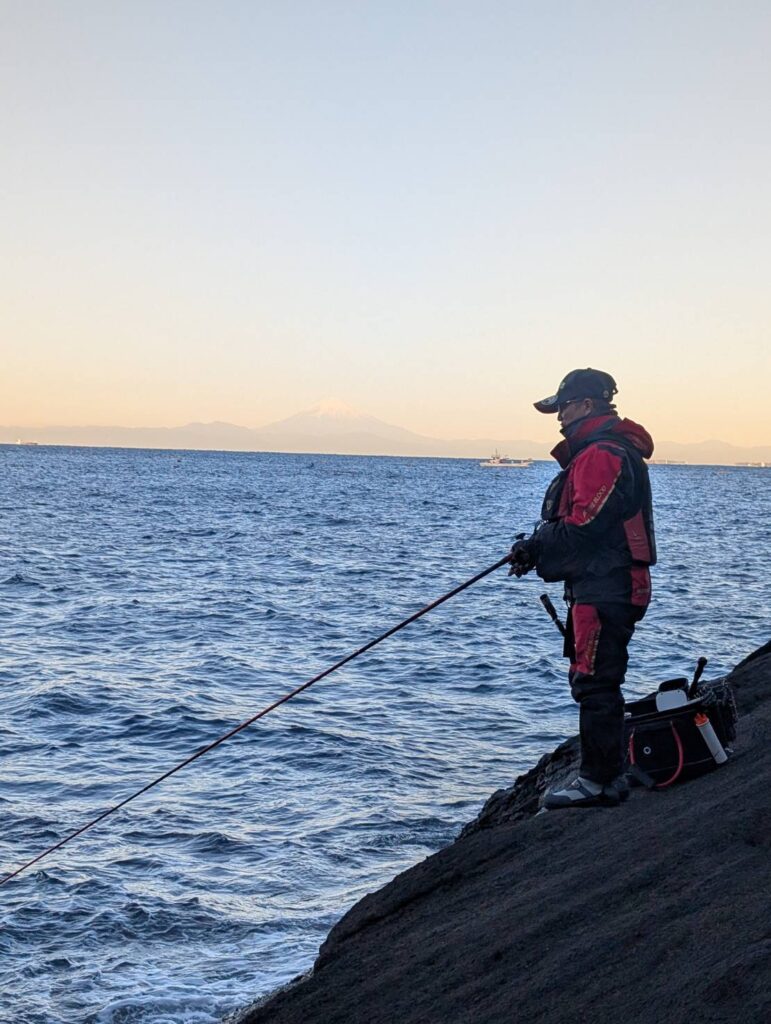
x=596 y=534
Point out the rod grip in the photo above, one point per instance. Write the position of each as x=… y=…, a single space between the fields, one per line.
x=552 y=612
x=701 y=664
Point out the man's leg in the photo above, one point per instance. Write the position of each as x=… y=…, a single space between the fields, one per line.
x=601 y=638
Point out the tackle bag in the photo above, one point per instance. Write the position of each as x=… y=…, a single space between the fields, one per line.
x=678 y=732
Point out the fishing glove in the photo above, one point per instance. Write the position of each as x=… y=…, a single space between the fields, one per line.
x=523 y=555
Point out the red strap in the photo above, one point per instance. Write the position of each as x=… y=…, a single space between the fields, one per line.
x=680 y=757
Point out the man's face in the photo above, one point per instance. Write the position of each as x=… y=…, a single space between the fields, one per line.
x=575 y=409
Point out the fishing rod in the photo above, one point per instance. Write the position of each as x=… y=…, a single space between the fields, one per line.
x=261 y=714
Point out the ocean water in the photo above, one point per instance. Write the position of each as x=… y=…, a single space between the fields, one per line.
x=151 y=600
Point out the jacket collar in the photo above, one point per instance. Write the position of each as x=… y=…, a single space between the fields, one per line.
x=578 y=435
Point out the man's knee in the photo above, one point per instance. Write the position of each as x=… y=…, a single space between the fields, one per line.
x=599 y=691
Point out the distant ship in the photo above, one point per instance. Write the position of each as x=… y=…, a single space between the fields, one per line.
x=26 y=444
x=755 y=465
x=497 y=461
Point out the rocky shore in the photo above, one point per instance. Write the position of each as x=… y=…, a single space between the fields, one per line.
x=659 y=910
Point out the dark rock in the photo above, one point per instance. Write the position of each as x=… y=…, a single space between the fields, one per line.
x=522 y=799
x=654 y=911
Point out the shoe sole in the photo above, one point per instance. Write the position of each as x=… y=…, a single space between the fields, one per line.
x=601 y=800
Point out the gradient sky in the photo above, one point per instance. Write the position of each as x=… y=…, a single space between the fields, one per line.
x=429 y=210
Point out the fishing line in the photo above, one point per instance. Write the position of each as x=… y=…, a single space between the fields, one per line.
x=261 y=714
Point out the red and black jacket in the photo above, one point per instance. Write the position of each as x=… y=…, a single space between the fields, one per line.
x=597 y=530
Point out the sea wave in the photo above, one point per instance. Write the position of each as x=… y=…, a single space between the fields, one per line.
x=151 y=604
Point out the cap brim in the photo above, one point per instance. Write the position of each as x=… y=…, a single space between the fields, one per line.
x=549 y=404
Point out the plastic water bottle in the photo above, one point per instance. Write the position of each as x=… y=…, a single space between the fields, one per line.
x=704 y=726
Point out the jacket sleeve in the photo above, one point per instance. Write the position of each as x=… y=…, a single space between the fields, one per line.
x=596 y=502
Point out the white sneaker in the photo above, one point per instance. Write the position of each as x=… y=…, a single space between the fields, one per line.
x=582 y=793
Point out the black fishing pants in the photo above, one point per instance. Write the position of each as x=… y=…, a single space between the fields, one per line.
x=596 y=642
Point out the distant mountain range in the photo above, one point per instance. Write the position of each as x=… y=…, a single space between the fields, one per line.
x=333 y=428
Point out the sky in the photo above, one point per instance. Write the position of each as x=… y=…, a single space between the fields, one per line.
x=428 y=210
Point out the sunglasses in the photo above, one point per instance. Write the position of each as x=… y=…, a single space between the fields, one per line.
x=570 y=401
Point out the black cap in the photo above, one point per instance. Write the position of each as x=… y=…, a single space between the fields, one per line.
x=578 y=384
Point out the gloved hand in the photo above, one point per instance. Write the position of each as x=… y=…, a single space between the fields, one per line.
x=523 y=555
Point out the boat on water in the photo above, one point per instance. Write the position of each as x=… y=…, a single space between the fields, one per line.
x=497 y=461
